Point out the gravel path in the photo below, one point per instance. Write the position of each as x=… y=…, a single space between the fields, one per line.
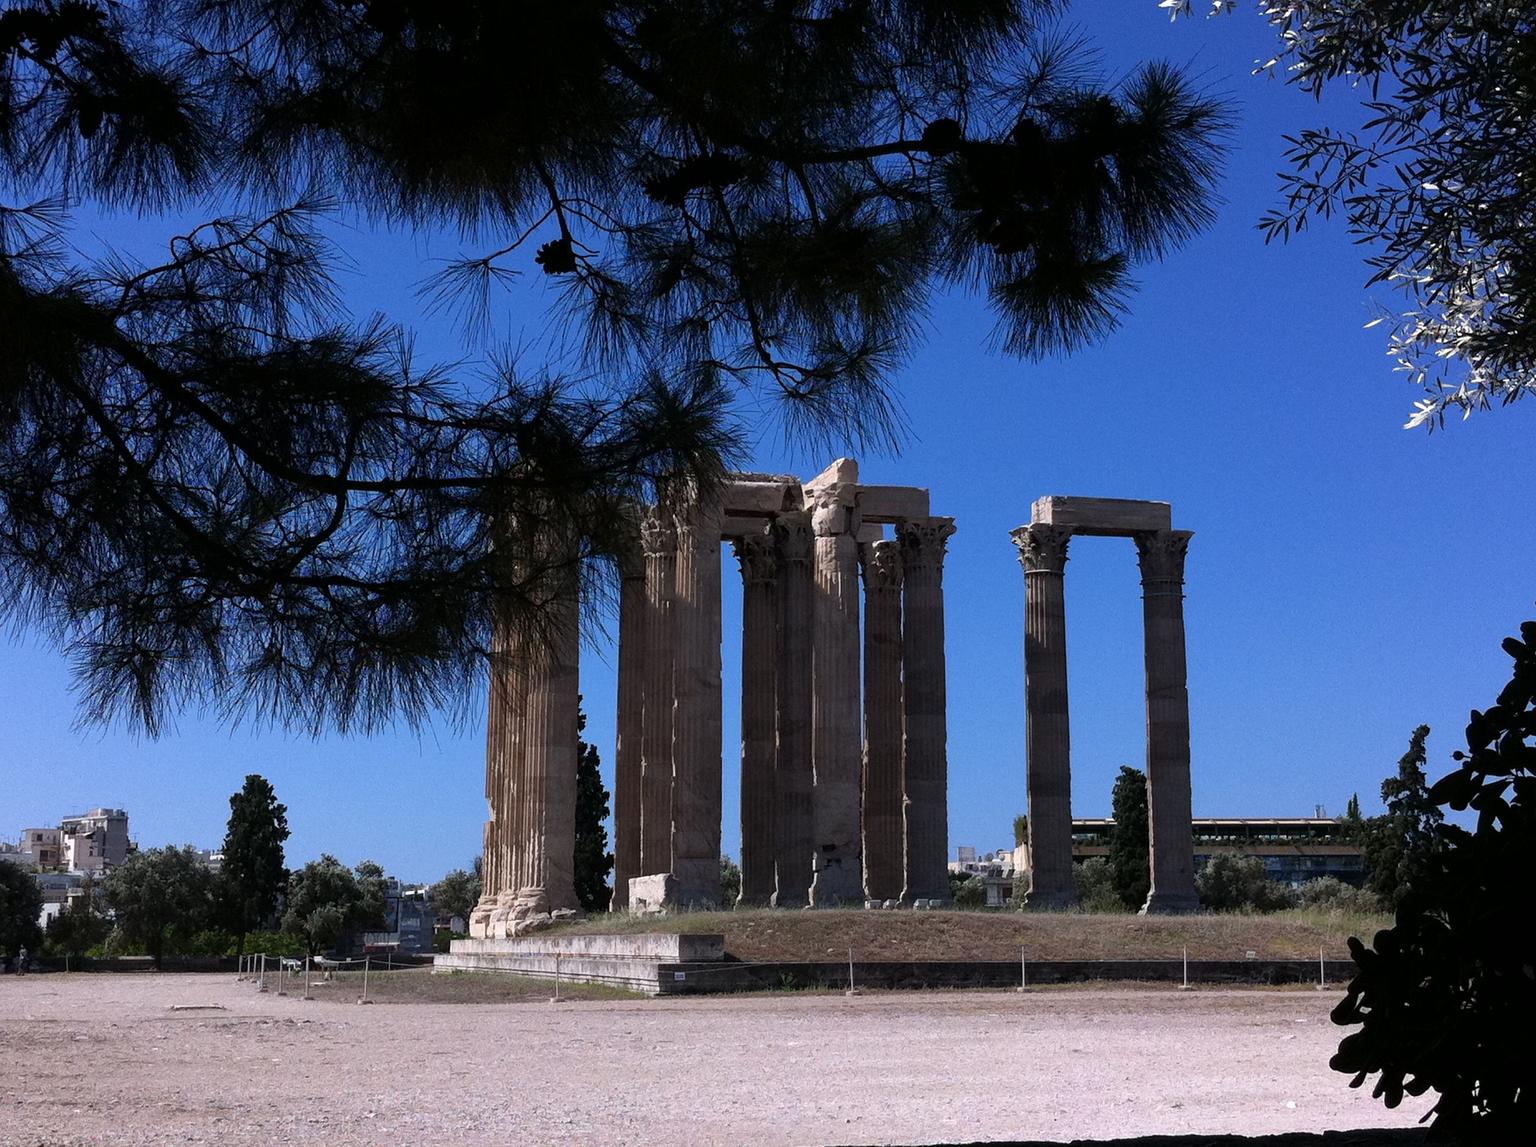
x=105 y=1060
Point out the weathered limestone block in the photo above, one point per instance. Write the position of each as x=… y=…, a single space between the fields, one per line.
x=925 y=697
x=655 y=893
x=1043 y=554
x=838 y=878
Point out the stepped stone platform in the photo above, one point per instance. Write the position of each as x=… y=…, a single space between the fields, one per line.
x=666 y=964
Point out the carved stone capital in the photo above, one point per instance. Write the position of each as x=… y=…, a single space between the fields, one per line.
x=924 y=542
x=1042 y=548
x=792 y=534
x=880 y=563
x=1161 y=553
x=631 y=555
x=758 y=557
x=658 y=535
x=833 y=512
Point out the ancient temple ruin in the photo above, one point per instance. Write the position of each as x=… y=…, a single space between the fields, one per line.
x=843 y=737
x=1161 y=549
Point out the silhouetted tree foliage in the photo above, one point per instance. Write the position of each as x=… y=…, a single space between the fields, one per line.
x=217 y=486
x=253 y=876
x=1094 y=882
x=1436 y=179
x=160 y=898
x=1445 y=996
x=1130 y=865
x=21 y=902
x=456 y=894
x=969 y=894
x=1398 y=845
x=373 y=904
x=593 y=861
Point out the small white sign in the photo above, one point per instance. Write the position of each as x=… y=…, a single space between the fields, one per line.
x=679 y=975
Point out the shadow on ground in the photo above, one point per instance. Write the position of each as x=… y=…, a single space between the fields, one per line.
x=1396 y=1137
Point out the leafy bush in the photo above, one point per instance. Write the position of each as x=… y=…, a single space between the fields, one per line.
x=1445 y=996
x=1095 y=883
x=1231 y=883
x=970 y=893
x=1329 y=894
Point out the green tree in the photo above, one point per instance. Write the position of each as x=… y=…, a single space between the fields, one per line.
x=1231 y=883
x=160 y=897
x=372 y=912
x=1094 y=881
x=81 y=926
x=1020 y=829
x=724 y=201
x=456 y=894
x=1398 y=844
x=1443 y=998
x=253 y=877
x=21 y=902
x=1130 y=865
x=969 y=894
x=730 y=882
x=1352 y=809
x=1434 y=181
x=323 y=901
x=593 y=861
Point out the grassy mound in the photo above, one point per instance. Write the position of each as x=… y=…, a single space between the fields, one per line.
x=790 y=935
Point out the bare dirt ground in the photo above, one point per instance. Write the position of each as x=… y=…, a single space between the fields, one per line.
x=104 y=1059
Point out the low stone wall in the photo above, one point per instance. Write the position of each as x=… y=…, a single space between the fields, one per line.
x=662 y=964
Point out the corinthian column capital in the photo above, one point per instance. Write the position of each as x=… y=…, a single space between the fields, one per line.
x=880 y=563
x=792 y=533
x=833 y=510
x=658 y=535
x=924 y=542
x=1042 y=548
x=758 y=557
x=1161 y=554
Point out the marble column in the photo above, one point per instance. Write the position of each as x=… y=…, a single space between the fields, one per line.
x=759 y=647
x=793 y=776
x=883 y=788
x=503 y=778
x=1168 y=790
x=658 y=539
x=697 y=718
x=549 y=747
x=631 y=724
x=1043 y=554
x=925 y=698
x=838 y=877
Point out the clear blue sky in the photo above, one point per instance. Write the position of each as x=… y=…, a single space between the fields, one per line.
x=1348 y=579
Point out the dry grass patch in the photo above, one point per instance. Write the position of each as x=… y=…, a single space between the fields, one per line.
x=764 y=934
x=423 y=986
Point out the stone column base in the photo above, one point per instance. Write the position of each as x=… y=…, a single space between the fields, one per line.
x=480 y=918
x=1170 y=904
x=1050 y=901
x=698 y=884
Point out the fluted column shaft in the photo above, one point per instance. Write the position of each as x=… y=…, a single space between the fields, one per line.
x=549 y=739
x=1043 y=554
x=696 y=730
x=759 y=647
x=793 y=775
x=835 y=743
x=925 y=697
x=627 y=756
x=659 y=542
x=1168 y=788
x=884 y=854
